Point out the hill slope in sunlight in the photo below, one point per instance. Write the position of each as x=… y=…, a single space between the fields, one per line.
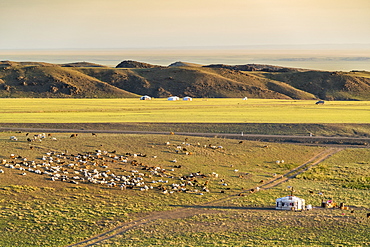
x=83 y=79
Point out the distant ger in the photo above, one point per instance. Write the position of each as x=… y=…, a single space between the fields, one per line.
x=145 y=97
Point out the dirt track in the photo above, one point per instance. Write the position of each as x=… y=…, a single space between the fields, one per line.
x=362 y=142
x=202 y=208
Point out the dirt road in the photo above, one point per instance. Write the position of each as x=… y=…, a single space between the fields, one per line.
x=362 y=142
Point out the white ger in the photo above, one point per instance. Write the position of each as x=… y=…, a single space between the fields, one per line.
x=290 y=203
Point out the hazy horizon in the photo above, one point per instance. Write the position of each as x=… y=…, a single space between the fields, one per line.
x=344 y=60
x=330 y=34
x=141 y=24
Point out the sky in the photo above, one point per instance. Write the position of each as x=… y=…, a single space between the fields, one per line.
x=131 y=24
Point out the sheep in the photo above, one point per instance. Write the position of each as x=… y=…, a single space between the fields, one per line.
x=13 y=138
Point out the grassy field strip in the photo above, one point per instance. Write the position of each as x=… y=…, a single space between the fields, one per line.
x=196 y=111
x=197 y=209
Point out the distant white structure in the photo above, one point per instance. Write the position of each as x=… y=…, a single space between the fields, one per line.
x=173 y=98
x=290 y=203
x=245 y=98
x=145 y=97
x=187 y=98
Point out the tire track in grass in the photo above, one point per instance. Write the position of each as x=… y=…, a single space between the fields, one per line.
x=302 y=168
x=197 y=209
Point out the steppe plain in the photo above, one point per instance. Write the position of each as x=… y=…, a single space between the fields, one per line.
x=84 y=162
x=38 y=211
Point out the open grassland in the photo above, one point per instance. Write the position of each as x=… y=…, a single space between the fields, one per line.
x=247 y=221
x=196 y=111
x=37 y=211
x=252 y=227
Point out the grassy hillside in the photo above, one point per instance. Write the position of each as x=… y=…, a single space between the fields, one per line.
x=53 y=82
x=196 y=82
x=328 y=85
x=130 y=79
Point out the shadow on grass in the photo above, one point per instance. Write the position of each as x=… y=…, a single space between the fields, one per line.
x=223 y=207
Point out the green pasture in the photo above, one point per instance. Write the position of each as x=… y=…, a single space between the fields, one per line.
x=343 y=178
x=37 y=211
x=196 y=111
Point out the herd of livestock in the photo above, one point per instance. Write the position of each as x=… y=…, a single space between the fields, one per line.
x=110 y=169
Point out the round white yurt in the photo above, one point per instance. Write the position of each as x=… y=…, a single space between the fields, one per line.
x=187 y=98
x=245 y=98
x=173 y=98
x=145 y=97
x=290 y=203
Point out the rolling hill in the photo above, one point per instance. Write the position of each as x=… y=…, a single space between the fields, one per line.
x=45 y=80
x=328 y=85
x=131 y=78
